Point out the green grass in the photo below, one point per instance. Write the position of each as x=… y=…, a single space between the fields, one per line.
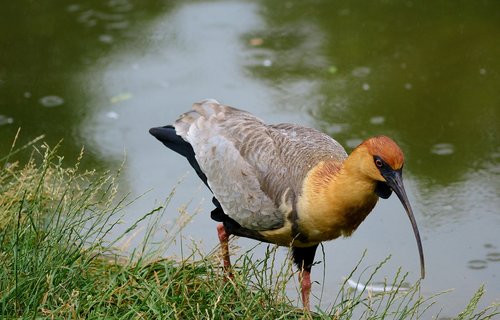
x=56 y=262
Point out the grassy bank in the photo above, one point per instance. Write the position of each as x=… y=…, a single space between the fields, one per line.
x=55 y=261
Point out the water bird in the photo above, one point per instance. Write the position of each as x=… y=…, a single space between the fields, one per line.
x=284 y=183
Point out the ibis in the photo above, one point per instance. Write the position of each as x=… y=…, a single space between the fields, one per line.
x=284 y=183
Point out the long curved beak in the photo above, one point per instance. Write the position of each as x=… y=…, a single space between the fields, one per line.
x=394 y=179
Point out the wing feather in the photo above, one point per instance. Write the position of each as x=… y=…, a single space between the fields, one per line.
x=254 y=170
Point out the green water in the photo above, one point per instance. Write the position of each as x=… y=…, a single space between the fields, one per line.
x=427 y=73
x=48 y=53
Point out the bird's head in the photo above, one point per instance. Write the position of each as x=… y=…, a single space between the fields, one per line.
x=381 y=156
x=383 y=161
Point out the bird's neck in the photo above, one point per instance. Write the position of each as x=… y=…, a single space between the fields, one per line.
x=336 y=198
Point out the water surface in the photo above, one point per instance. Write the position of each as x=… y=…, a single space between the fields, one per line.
x=100 y=74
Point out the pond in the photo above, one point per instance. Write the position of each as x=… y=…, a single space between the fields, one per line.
x=99 y=74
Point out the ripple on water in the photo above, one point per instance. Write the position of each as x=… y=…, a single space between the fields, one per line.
x=4 y=120
x=477 y=264
x=377 y=120
x=443 y=149
x=267 y=63
x=361 y=72
x=51 y=101
x=493 y=256
x=106 y=38
x=112 y=115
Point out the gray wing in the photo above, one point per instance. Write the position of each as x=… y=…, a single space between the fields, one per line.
x=254 y=170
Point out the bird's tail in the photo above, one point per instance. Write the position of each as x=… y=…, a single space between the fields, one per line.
x=168 y=136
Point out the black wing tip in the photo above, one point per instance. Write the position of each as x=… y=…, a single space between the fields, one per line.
x=159 y=132
x=154 y=131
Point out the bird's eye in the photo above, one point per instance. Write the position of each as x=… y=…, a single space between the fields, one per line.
x=379 y=163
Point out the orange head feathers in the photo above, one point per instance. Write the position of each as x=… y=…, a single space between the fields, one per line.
x=376 y=153
x=385 y=148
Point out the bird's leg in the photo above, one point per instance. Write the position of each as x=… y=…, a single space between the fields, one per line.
x=224 y=243
x=304 y=258
x=305 y=283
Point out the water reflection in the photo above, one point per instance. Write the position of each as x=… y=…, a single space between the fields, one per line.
x=425 y=73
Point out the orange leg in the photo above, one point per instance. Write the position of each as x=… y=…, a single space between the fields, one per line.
x=305 y=283
x=224 y=244
x=304 y=259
